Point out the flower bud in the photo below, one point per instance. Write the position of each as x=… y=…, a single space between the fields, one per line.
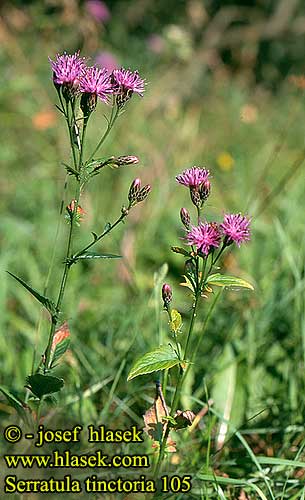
x=144 y=192
x=116 y=162
x=88 y=103
x=69 y=90
x=134 y=191
x=195 y=196
x=185 y=217
x=204 y=190
x=167 y=294
x=126 y=160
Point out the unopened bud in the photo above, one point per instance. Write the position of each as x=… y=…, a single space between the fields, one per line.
x=122 y=97
x=144 y=192
x=204 y=190
x=69 y=90
x=126 y=160
x=167 y=294
x=88 y=103
x=195 y=196
x=117 y=161
x=134 y=191
x=185 y=218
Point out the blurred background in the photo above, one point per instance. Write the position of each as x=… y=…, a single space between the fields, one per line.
x=225 y=90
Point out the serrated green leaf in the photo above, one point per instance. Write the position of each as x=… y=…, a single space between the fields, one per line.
x=15 y=403
x=93 y=255
x=176 y=321
x=47 y=303
x=162 y=358
x=228 y=281
x=43 y=384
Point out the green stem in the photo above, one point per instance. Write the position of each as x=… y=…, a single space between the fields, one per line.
x=62 y=284
x=69 y=123
x=39 y=411
x=102 y=235
x=111 y=122
x=70 y=236
x=177 y=393
x=198 y=214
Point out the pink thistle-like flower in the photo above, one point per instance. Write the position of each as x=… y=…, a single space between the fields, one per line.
x=236 y=228
x=125 y=83
x=67 y=69
x=96 y=81
x=193 y=177
x=204 y=237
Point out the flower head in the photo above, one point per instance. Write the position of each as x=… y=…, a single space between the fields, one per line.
x=185 y=217
x=236 y=228
x=193 y=177
x=137 y=193
x=204 y=237
x=167 y=294
x=96 y=81
x=126 y=82
x=67 y=69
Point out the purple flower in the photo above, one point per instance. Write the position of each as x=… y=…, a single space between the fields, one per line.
x=125 y=83
x=236 y=228
x=67 y=69
x=106 y=60
x=98 y=10
x=204 y=237
x=96 y=81
x=167 y=294
x=193 y=177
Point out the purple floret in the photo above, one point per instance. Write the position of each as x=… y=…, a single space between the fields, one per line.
x=96 y=81
x=67 y=68
x=193 y=177
x=126 y=81
x=204 y=237
x=236 y=228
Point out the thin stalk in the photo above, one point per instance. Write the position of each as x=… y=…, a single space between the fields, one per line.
x=83 y=141
x=205 y=324
x=104 y=233
x=49 y=272
x=69 y=122
x=63 y=281
x=110 y=124
x=198 y=214
x=177 y=390
x=70 y=236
